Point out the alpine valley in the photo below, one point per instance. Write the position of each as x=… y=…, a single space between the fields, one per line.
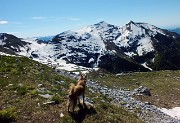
x=133 y=47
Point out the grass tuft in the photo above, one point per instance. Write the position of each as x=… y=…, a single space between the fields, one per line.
x=57 y=99
x=8 y=115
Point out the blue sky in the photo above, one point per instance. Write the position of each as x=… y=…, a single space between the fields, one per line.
x=27 y=18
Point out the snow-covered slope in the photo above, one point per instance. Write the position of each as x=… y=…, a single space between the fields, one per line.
x=133 y=47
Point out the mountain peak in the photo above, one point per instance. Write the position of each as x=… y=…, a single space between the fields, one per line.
x=102 y=23
x=131 y=22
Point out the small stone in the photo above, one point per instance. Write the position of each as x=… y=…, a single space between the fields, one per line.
x=10 y=85
x=47 y=96
x=20 y=84
x=61 y=115
x=40 y=85
x=50 y=102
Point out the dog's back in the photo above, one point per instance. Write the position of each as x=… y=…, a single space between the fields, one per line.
x=78 y=90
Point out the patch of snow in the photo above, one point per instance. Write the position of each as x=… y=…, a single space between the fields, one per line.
x=145 y=46
x=2 y=42
x=136 y=30
x=144 y=64
x=62 y=65
x=130 y=53
x=5 y=54
x=174 y=112
x=23 y=51
x=114 y=51
x=44 y=51
x=91 y=60
x=154 y=30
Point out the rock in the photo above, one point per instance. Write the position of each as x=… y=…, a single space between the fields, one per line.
x=42 y=90
x=40 y=85
x=60 y=82
x=49 y=102
x=10 y=85
x=47 y=96
x=20 y=85
x=142 y=90
x=61 y=115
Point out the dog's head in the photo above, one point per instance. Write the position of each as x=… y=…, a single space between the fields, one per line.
x=83 y=77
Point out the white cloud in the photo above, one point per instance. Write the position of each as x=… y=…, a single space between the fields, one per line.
x=3 y=22
x=38 y=18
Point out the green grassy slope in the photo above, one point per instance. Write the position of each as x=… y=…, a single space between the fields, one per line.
x=23 y=80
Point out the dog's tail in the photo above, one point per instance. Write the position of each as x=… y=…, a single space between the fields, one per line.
x=71 y=88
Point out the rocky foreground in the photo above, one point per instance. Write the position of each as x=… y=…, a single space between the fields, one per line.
x=124 y=97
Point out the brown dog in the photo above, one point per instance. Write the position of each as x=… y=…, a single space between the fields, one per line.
x=76 y=91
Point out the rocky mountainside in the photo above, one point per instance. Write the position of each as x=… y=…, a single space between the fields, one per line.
x=133 y=47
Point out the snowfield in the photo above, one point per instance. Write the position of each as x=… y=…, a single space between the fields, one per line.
x=174 y=112
x=145 y=46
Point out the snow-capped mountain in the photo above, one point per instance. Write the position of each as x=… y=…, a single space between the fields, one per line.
x=113 y=47
x=11 y=44
x=133 y=47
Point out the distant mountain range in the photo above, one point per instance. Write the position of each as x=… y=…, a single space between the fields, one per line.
x=177 y=30
x=45 y=38
x=133 y=47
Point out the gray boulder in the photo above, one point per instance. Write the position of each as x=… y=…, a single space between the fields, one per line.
x=142 y=91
